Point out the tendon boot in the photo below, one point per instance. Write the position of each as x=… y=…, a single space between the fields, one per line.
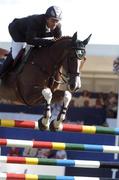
x=6 y=65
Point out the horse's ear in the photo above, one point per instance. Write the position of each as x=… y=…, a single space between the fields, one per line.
x=85 y=42
x=74 y=37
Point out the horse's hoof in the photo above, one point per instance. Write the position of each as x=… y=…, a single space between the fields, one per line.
x=54 y=126
x=41 y=126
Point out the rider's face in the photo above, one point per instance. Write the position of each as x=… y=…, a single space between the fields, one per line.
x=52 y=23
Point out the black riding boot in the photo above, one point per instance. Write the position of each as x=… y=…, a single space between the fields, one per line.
x=6 y=65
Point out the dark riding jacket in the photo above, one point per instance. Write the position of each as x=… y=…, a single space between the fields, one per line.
x=31 y=29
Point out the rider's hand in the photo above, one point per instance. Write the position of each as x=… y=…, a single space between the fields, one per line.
x=47 y=43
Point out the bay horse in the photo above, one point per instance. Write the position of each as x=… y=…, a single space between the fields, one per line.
x=40 y=78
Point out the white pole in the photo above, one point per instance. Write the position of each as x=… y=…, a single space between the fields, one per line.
x=117 y=124
x=116 y=70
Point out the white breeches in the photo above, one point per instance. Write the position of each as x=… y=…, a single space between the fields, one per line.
x=16 y=47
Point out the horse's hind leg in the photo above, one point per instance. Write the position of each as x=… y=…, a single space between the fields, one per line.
x=56 y=124
x=44 y=121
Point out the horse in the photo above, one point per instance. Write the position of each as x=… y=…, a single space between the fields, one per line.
x=39 y=80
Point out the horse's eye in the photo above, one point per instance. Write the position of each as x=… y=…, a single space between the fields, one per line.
x=80 y=53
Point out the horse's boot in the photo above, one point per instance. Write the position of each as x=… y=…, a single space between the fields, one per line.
x=6 y=65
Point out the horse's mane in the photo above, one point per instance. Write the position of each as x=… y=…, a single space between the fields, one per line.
x=62 y=38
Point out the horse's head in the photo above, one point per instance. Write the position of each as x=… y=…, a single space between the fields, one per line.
x=66 y=52
x=76 y=53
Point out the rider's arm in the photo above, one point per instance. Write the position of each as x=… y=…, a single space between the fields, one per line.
x=36 y=41
x=32 y=39
x=57 y=31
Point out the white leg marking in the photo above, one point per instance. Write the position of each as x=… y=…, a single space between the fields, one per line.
x=62 y=115
x=48 y=97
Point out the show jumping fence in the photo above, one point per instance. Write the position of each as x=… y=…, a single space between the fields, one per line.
x=57 y=146
x=65 y=127
x=9 y=176
x=59 y=162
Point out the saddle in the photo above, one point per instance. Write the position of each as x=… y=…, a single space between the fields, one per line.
x=19 y=63
x=21 y=60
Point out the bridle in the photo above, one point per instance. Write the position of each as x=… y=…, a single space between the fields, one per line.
x=78 y=55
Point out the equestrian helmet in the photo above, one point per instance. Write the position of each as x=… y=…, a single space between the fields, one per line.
x=54 y=12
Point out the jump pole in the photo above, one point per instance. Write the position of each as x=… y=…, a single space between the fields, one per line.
x=59 y=162
x=14 y=176
x=59 y=145
x=65 y=127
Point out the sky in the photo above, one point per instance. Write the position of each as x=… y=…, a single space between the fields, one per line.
x=99 y=17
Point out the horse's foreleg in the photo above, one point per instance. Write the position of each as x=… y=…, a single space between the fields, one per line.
x=44 y=121
x=55 y=124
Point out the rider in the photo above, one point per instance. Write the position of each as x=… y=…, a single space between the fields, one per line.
x=32 y=30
